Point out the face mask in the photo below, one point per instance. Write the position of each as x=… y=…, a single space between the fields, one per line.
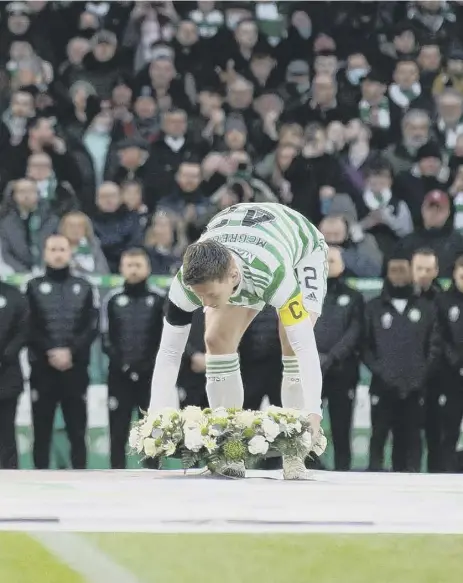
x=233 y=20
x=100 y=128
x=354 y=75
x=305 y=31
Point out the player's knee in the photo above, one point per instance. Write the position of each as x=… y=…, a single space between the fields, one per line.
x=218 y=343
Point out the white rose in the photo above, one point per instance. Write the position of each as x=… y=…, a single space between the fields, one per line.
x=210 y=443
x=169 y=448
x=294 y=427
x=194 y=414
x=156 y=432
x=193 y=439
x=258 y=445
x=245 y=418
x=274 y=409
x=270 y=429
x=220 y=412
x=147 y=428
x=306 y=439
x=149 y=447
x=134 y=438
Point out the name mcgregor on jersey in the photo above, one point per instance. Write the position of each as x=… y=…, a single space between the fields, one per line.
x=235 y=238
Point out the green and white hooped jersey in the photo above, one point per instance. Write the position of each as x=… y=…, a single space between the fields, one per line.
x=269 y=241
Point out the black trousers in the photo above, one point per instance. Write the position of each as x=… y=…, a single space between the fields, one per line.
x=8 y=449
x=124 y=395
x=261 y=379
x=434 y=426
x=341 y=398
x=50 y=388
x=403 y=416
x=452 y=416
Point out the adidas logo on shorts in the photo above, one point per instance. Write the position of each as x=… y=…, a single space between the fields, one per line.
x=311 y=296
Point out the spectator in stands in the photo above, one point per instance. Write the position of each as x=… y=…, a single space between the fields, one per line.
x=450 y=307
x=436 y=234
x=132 y=198
x=14 y=328
x=452 y=76
x=449 y=114
x=175 y=147
x=25 y=223
x=145 y=122
x=430 y=62
x=186 y=200
x=416 y=127
x=51 y=187
x=383 y=215
x=338 y=335
x=131 y=321
x=102 y=65
x=429 y=173
x=401 y=345
x=350 y=77
x=160 y=244
x=95 y=155
x=378 y=111
x=132 y=156
x=87 y=257
x=63 y=325
x=116 y=227
x=362 y=259
x=406 y=91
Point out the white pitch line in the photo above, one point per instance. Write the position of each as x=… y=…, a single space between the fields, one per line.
x=81 y=556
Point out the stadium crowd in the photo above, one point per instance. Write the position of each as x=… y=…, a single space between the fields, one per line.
x=125 y=126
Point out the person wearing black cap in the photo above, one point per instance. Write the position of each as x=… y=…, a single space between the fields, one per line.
x=296 y=89
x=132 y=155
x=338 y=336
x=400 y=347
x=437 y=233
x=427 y=174
x=377 y=111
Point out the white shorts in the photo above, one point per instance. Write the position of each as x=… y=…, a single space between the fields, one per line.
x=312 y=273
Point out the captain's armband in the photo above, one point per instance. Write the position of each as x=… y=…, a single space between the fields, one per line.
x=293 y=311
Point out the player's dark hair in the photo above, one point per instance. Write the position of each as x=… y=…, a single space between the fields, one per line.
x=205 y=261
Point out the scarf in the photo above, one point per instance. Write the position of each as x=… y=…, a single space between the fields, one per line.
x=403 y=97
x=375 y=201
x=450 y=134
x=384 y=116
x=82 y=257
x=175 y=144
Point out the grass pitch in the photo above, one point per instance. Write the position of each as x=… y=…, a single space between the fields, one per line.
x=249 y=558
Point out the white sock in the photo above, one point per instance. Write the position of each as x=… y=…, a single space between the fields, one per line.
x=224 y=386
x=291 y=388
